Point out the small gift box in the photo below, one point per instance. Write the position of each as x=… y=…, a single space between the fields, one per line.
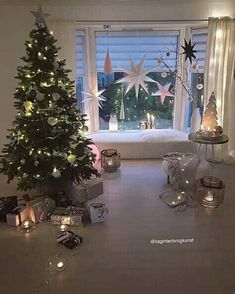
x=88 y=190
x=67 y=216
x=7 y=204
x=97 y=212
x=17 y=216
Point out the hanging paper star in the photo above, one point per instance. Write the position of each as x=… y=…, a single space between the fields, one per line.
x=163 y=92
x=136 y=76
x=40 y=16
x=189 y=50
x=94 y=96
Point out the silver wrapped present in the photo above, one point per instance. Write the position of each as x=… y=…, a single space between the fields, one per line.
x=88 y=190
x=70 y=216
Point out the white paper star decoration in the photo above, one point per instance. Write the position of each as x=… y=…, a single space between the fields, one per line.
x=94 y=97
x=163 y=92
x=40 y=16
x=136 y=76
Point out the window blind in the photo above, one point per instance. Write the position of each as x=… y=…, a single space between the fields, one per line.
x=122 y=45
x=199 y=37
x=80 y=53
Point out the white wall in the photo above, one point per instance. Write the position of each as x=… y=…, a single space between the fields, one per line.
x=16 y=23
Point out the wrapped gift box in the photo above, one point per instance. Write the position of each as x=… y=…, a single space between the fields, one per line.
x=7 y=204
x=88 y=190
x=97 y=212
x=40 y=208
x=70 y=216
x=17 y=216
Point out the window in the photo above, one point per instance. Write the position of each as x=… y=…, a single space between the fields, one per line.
x=80 y=68
x=154 y=45
x=137 y=44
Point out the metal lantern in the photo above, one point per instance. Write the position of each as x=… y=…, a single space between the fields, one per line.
x=210 y=192
x=110 y=160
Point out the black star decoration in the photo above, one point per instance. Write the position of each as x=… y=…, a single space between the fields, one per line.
x=40 y=16
x=189 y=50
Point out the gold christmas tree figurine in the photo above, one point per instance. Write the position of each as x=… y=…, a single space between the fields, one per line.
x=210 y=119
x=210 y=128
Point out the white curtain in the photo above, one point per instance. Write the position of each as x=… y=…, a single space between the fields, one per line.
x=65 y=33
x=219 y=74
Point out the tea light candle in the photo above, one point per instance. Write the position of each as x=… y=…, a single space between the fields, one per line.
x=60 y=266
x=110 y=162
x=63 y=228
x=26 y=224
x=209 y=197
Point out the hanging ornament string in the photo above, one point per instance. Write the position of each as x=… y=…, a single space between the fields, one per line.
x=107 y=63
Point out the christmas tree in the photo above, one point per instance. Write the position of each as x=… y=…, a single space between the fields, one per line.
x=46 y=140
x=210 y=120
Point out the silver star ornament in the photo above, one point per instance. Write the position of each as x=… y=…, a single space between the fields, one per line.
x=136 y=76
x=40 y=16
x=92 y=96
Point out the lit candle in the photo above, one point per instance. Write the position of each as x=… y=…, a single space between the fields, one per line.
x=148 y=117
x=26 y=224
x=110 y=162
x=60 y=266
x=63 y=228
x=209 y=197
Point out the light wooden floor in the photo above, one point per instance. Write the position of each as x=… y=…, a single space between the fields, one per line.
x=117 y=256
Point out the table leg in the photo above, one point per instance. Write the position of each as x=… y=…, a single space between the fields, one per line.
x=198 y=148
x=206 y=153
x=213 y=152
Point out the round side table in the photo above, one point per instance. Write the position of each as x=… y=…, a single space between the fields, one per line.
x=221 y=140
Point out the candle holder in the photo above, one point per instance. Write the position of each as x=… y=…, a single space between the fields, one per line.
x=110 y=160
x=210 y=192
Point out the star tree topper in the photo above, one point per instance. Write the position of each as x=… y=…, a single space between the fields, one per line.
x=163 y=92
x=189 y=50
x=136 y=76
x=94 y=97
x=40 y=16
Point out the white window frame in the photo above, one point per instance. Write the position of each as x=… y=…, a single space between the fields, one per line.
x=90 y=80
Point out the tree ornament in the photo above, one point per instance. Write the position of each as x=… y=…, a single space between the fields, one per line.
x=163 y=92
x=40 y=96
x=195 y=66
x=107 y=64
x=94 y=97
x=28 y=105
x=52 y=121
x=164 y=75
x=189 y=50
x=136 y=76
x=36 y=163
x=56 y=173
x=40 y=16
x=55 y=96
x=71 y=158
x=199 y=86
x=22 y=161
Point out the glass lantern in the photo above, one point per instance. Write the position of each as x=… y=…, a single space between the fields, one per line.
x=110 y=160
x=210 y=192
